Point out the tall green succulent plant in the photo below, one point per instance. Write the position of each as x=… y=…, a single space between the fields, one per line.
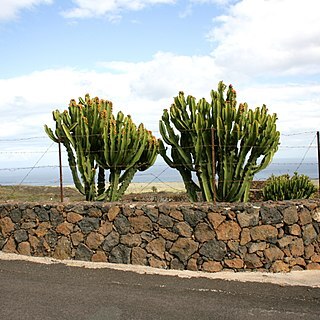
x=245 y=141
x=97 y=140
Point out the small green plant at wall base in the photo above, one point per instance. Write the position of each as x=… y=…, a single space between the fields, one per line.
x=285 y=188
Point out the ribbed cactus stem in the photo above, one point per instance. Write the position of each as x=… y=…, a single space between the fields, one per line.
x=242 y=136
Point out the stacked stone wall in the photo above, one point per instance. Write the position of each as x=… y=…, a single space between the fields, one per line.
x=276 y=237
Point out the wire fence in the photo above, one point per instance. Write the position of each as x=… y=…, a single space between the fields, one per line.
x=34 y=161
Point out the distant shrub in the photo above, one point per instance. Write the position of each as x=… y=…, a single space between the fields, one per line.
x=285 y=188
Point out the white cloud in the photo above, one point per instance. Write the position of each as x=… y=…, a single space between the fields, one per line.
x=143 y=90
x=109 y=8
x=296 y=105
x=167 y=74
x=11 y=8
x=269 y=37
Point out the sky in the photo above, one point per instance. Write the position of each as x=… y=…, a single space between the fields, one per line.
x=140 y=53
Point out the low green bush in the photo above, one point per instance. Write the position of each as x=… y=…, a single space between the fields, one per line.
x=285 y=188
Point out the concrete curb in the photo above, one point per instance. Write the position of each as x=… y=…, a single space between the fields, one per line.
x=309 y=278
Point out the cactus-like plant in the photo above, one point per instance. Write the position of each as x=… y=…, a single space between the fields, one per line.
x=285 y=188
x=244 y=142
x=97 y=140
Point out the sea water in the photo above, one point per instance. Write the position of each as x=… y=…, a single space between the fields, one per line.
x=159 y=172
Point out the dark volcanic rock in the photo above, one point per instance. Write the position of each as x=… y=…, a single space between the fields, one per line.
x=120 y=254
x=88 y=224
x=122 y=224
x=214 y=250
x=193 y=217
x=270 y=215
x=83 y=253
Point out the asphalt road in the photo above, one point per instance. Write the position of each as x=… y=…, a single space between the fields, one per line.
x=38 y=291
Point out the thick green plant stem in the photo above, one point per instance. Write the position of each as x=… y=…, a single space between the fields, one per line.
x=101 y=181
x=245 y=141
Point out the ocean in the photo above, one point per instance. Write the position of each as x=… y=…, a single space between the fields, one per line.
x=159 y=172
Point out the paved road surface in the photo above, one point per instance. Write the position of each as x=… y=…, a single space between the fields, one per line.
x=35 y=291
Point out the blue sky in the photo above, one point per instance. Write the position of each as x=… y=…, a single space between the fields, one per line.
x=41 y=37
x=141 y=53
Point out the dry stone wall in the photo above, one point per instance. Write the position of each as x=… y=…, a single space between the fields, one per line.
x=276 y=237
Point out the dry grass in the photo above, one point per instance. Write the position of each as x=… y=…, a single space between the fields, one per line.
x=49 y=194
x=52 y=194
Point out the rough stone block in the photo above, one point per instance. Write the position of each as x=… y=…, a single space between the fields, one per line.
x=113 y=212
x=184 y=248
x=120 y=254
x=308 y=234
x=297 y=247
x=229 y=230
x=273 y=254
x=313 y=266
x=99 y=256
x=88 y=224
x=122 y=224
x=290 y=215
x=304 y=217
x=216 y=219
x=183 y=229
x=94 y=240
x=176 y=214
x=280 y=266
x=73 y=217
x=168 y=235
x=203 y=232
x=212 y=266
x=263 y=232
x=140 y=224
x=77 y=238
x=245 y=236
x=257 y=246
x=20 y=235
x=270 y=215
x=111 y=240
x=10 y=246
x=157 y=247
x=193 y=217
x=139 y=256
x=24 y=248
x=192 y=264
x=252 y=261
x=246 y=219
x=131 y=240
x=156 y=263
x=6 y=226
x=83 y=253
x=63 y=249
x=214 y=250
x=65 y=228
x=234 y=263
x=165 y=221
x=176 y=264
x=295 y=230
